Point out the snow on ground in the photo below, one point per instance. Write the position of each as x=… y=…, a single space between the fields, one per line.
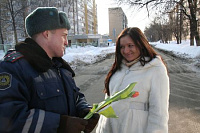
x=87 y=55
x=90 y=54
x=77 y=55
x=1 y=54
x=183 y=50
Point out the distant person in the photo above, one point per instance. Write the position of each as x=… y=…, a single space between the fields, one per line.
x=136 y=61
x=37 y=91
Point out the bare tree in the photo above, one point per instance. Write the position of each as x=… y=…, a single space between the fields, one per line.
x=14 y=18
x=153 y=32
x=166 y=6
x=9 y=6
x=175 y=24
x=158 y=30
x=14 y=12
x=193 y=22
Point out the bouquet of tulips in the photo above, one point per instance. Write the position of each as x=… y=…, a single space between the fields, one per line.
x=109 y=112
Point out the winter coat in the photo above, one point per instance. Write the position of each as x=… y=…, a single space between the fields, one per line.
x=147 y=113
x=35 y=91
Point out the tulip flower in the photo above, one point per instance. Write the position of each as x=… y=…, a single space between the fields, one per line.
x=109 y=112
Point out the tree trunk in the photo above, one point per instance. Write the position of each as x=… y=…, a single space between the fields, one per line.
x=197 y=39
x=194 y=33
x=193 y=23
x=1 y=32
x=11 y=9
x=178 y=27
x=2 y=40
x=191 y=40
x=15 y=31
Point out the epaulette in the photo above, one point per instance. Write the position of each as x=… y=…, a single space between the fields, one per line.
x=13 y=56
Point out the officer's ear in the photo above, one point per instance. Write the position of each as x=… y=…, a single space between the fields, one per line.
x=45 y=34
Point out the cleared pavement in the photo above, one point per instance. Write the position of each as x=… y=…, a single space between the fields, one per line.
x=184 y=104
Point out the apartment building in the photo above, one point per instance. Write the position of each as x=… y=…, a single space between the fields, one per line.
x=83 y=20
x=117 y=22
x=82 y=16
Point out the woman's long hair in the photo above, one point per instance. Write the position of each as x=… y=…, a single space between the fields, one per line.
x=143 y=45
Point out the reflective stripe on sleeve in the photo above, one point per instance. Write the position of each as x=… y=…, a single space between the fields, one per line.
x=40 y=121
x=28 y=122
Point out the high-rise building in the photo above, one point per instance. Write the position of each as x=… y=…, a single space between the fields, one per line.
x=83 y=20
x=82 y=16
x=117 y=22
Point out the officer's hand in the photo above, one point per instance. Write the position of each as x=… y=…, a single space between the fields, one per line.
x=84 y=112
x=70 y=124
x=92 y=122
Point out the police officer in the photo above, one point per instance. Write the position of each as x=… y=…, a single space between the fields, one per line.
x=37 y=90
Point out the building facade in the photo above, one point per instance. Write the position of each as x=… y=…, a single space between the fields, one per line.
x=117 y=22
x=83 y=19
x=82 y=14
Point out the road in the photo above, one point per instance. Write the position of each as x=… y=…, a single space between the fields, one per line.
x=184 y=103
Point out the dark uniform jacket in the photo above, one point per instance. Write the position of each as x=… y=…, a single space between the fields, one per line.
x=35 y=90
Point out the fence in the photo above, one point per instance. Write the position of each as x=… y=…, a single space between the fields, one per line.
x=82 y=44
x=6 y=47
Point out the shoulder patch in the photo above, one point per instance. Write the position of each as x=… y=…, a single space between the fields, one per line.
x=5 y=80
x=13 y=56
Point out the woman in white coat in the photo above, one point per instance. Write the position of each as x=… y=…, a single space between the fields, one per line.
x=136 y=61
